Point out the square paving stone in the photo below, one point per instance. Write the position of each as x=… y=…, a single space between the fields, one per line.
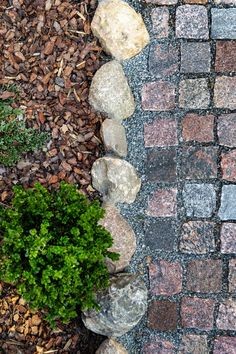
x=225 y=92
x=204 y=276
x=228 y=166
x=232 y=276
x=223 y=23
x=193 y=344
x=228 y=203
x=225 y=56
x=160 y=133
x=198 y=128
x=228 y=237
x=199 y=200
x=163 y=60
x=226 y=319
x=160 y=22
x=192 y=22
x=159 y=346
x=199 y=162
x=163 y=203
x=197 y=237
x=162 y=315
x=165 y=277
x=161 y=165
x=224 y=345
x=158 y=96
x=195 y=57
x=226 y=129
x=160 y=234
x=194 y=93
x=197 y=313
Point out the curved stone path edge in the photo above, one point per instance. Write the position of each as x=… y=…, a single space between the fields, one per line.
x=181 y=141
x=125 y=302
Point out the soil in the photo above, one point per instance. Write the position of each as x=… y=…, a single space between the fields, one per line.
x=47 y=50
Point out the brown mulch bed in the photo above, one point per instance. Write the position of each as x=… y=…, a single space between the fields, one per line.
x=48 y=51
x=23 y=331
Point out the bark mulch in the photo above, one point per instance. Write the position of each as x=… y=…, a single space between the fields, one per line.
x=23 y=331
x=48 y=51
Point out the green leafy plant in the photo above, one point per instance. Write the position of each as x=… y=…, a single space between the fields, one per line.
x=15 y=137
x=6 y=110
x=54 y=250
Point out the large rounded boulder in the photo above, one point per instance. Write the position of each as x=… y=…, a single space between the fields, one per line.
x=124 y=240
x=110 y=92
x=116 y=179
x=122 y=306
x=111 y=346
x=120 y=29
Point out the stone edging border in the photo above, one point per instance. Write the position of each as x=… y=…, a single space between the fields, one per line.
x=122 y=34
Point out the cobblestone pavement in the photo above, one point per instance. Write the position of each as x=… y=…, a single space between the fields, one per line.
x=187 y=95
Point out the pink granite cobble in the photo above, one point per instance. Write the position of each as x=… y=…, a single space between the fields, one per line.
x=228 y=238
x=160 y=133
x=159 y=346
x=198 y=128
x=197 y=313
x=160 y=22
x=226 y=319
x=165 y=277
x=158 y=96
x=224 y=345
x=163 y=203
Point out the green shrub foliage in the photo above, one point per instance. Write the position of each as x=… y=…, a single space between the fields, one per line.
x=53 y=249
x=15 y=137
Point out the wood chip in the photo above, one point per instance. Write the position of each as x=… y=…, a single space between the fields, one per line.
x=48 y=49
x=81 y=15
x=68 y=344
x=48 y=5
x=6 y=94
